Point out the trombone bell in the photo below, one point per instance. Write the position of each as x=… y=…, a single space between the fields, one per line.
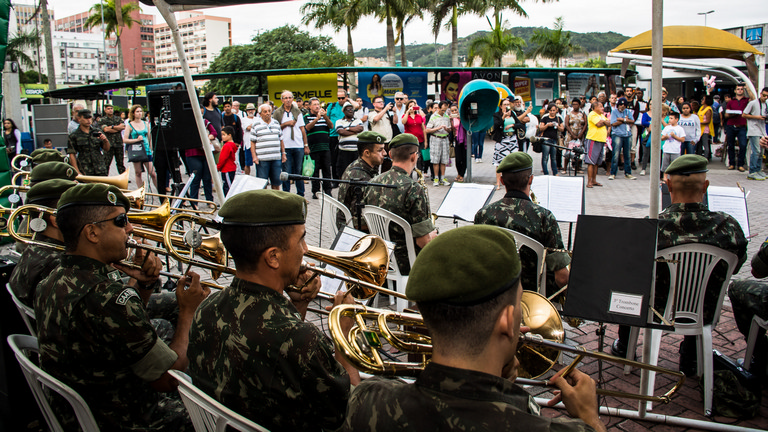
x=120 y=181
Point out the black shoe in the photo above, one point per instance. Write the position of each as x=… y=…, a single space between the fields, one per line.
x=314 y=195
x=634 y=167
x=619 y=349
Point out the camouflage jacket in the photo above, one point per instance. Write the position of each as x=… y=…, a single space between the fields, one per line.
x=115 y=138
x=250 y=349
x=516 y=212
x=760 y=261
x=684 y=223
x=90 y=158
x=95 y=336
x=357 y=170
x=409 y=201
x=36 y=263
x=750 y=297
x=446 y=399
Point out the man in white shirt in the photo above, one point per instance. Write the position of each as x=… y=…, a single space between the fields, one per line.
x=361 y=113
x=756 y=114
x=248 y=121
x=294 y=137
x=401 y=100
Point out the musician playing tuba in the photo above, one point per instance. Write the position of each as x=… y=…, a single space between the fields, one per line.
x=473 y=313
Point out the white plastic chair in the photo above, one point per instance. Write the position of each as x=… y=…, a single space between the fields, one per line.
x=26 y=312
x=207 y=414
x=757 y=323
x=329 y=215
x=539 y=249
x=689 y=278
x=379 y=221
x=42 y=383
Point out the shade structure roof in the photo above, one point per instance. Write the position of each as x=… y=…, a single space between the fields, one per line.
x=201 y=4
x=691 y=42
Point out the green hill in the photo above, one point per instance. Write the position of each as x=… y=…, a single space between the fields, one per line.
x=424 y=54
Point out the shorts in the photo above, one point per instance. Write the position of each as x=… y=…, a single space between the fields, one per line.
x=270 y=170
x=593 y=152
x=439 y=150
x=248 y=157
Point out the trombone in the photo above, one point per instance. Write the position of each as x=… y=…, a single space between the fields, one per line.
x=538 y=350
x=138 y=196
x=20 y=162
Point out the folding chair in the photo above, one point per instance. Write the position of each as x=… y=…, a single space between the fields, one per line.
x=26 y=312
x=540 y=251
x=329 y=215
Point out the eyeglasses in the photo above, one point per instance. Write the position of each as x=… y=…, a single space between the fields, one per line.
x=341 y=97
x=399 y=98
x=120 y=221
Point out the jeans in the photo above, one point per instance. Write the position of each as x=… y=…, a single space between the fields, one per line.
x=755 y=157
x=548 y=151
x=322 y=163
x=294 y=160
x=478 y=139
x=731 y=132
x=269 y=170
x=198 y=164
x=621 y=143
x=688 y=147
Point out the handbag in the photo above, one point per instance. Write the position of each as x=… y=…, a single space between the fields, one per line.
x=395 y=127
x=308 y=169
x=136 y=153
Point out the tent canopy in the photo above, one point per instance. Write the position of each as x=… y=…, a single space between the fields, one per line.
x=691 y=42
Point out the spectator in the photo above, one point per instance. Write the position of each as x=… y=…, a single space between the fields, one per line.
x=12 y=137
x=267 y=146
x=318 y=129
x=736 y=127
x=246 y=161
x=226 y=164
x=638 y=107
x=645 y=139
x=236 y=109
x=439 y=151
x=347 y=128
x=47 y=143
x=113 y=127
x=672 y=135
x=597 y=133
x=383 y=118
x=415 y=124
x=138 y=133
x=575 y=127
x=621 y=119
x=230 y=118
x=549 y=125
x=706 y=116
x=717 y=116
x=692 y=126
x=522 y=115
x=197 y=164
x=400 y=107
x=212 y=113
x=74 y=123
x=460 y=143
x=294 y=139
x=756 y=114
x=361 y=113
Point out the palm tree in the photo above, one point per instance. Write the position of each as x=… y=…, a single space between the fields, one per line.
x=410 y=11
x=491 y=47
x=439 y=13
x=113 y=24
x=386 y=11
x=553 y=44
x=16 y=46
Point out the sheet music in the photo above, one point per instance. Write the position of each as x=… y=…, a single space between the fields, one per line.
x=243 y=183
x=346 y=238
x=465 y=200
x=563 y=196
x=730 y=200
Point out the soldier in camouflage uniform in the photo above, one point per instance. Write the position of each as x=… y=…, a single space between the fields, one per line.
x=85 y=150
x=371 y=151
x=93 y=330
x=113 y=127
x=516 y=212
x=473 y=313
x=250 y=347
x=409 y=200
x=688 y=220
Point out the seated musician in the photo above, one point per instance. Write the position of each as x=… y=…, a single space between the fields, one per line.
x=52 y=170
x=517 y=212
x=371 y=152
x=409 y=200
x=250 y=347
x=43 y=155
x=473 y=313
x=93 y=330
x=688 y=220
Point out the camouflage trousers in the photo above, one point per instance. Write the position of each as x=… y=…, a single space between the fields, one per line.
x=748 y=298
x=115 y=152
x=163 y=312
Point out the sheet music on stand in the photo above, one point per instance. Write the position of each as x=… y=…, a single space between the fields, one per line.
x=464 y=200
x=730 y=200
x=563 y=196
x=345 y=239
x=243 y=183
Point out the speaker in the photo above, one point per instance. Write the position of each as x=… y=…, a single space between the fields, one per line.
x=173 y=121
x=478 y=100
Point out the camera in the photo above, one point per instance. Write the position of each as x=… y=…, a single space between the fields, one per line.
x=95 y=133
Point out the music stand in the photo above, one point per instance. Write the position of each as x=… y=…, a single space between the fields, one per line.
x=464 y=200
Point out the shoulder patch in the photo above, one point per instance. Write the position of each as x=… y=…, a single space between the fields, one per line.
x=124 y=296
x=114 y=275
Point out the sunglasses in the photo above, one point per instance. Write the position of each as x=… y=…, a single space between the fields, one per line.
x=399 y=98
x=341 y=98
x=120 y=221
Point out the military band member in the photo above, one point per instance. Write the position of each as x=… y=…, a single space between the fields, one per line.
x=43 y=155
x=250 y=347
x=93 y=330
x=371 y=152
x=52 y=170
x=113 y=126
x=86 y=146
x=409 y=200
x=517 y=212
x=473 y=313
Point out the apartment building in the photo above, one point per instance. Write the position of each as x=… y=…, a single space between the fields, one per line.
x=203 y=37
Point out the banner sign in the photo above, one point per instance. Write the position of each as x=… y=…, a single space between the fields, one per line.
x=451 y=84
x=33 y=91
x=583 y=84
x=322 y=86
x=386 y=84
x=522 y=87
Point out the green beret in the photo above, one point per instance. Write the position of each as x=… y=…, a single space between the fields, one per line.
x=264 y=207
x=515 y=162
x=487 y=265
x=51 y=170
x=369 y=137
x=93 y=194
x=46 y=155
x=687 y=165
x=48 y=190
x=403 y=139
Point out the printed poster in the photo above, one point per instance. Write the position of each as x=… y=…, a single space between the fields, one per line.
x=522 y=88
x=322 y=86
x=583 y=84
x=451 y=84
x=372 y=84
x=544 y=91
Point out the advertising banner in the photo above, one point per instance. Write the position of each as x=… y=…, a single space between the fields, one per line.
x=372 y=84
x=451 y=84
x=522 y=87
x=583 y=84
x=322 y=86
x=33 y=91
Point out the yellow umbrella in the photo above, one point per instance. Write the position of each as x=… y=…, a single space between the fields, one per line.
x=691 y=42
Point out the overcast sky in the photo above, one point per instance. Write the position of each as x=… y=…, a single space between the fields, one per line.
x=629 y=18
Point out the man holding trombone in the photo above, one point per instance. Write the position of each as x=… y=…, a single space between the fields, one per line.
x=473 y=313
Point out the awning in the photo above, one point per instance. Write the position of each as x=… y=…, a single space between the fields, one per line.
x=691 y=42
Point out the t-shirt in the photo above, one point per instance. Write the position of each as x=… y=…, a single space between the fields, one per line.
x=622 y=130
x=594 y=133
x=692 y=127
x=267 y=137
x=672 y=145
x=736 y=105
x=707 y=128
x=415 y=126
x=359 y=114
x=247 y=121
x=347 y=143
x=214 y=116
x=298 y=140
x=319 y=135
x=383 y=126
x=550 y=132
x=226 y=161
x=756 y=108
x=335 y=113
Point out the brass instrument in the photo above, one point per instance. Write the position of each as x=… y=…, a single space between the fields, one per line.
x=20 y=162
x=211 y=249
x=538 y=350
x=139 y=195
x=120 y=181
x=136 y=198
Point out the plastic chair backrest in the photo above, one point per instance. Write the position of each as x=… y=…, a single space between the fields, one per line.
x=25 y=311
x=41 y=382
x=207 y=414
x=539 y=249
x=330 y=215
x=379 y=220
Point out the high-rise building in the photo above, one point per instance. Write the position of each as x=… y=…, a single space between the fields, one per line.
x=203 y=37
x=78 y=57
x=24 y=17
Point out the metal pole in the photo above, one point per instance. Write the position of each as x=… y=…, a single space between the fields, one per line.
x=165 y=11
x=104 y=31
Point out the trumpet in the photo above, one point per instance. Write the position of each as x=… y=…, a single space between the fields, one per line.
x=538 y=350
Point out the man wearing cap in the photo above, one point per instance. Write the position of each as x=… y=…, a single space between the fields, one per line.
x=246 y=158
x=688 y=220
x=85 y=147
x=318 y=126
x=516 y=212
x=38 y=261
x=473 y=312
x=113 y=127
x=93 y=330
x=347 y=128
x=371 y=153
x=250 y=346
x=409 y=200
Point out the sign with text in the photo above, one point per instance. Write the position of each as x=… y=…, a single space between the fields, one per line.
x=386 y=84
x=522 y=87
x=33 y=90
x=322 y=86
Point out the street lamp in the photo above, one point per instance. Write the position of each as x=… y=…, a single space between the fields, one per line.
x=705 y=16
